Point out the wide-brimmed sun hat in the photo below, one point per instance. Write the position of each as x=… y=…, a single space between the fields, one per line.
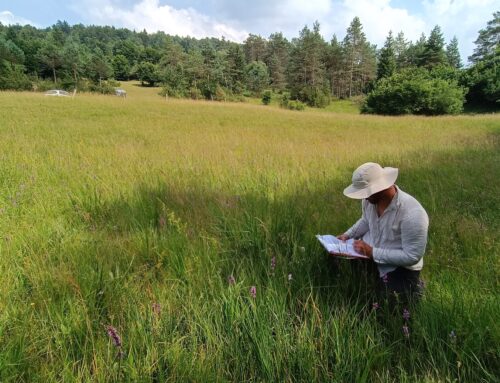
x=370 y=178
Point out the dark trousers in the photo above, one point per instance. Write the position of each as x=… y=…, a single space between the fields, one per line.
x=401 y=286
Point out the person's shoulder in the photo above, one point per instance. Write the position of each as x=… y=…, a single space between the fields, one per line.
x=408 y=202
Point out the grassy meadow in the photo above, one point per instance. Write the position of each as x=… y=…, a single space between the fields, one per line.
x=135 y=213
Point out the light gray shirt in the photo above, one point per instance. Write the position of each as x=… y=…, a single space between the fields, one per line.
x=398 y=237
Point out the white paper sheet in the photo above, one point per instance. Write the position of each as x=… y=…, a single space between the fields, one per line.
x=335 y=246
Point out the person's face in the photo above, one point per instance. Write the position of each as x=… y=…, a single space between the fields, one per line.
x=375 y=198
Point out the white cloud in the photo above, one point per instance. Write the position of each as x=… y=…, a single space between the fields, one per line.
x=8 y=18
x=150 y=15
x=306 y=8
x=460 y=18
x=378 y=17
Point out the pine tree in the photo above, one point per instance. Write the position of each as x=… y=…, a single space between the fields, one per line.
x=453 y=54
x=277 y=55
x=360 y=59
x=483 y=79
x=99 y=67
x=121 y=67
x=255 y=48
x=334 y=67
x=74 y=56
x=434 y=53
x=257 y=77
x=307 y=68
x=415 y=52
x=50 y=56
x=387 y=59
x=488 y=41
x=401 y=51
x=236 y=67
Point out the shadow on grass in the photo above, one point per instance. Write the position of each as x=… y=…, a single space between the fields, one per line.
x=459 y=189
x=190 y=239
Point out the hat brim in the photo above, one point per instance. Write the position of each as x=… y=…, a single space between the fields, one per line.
x=387 y=180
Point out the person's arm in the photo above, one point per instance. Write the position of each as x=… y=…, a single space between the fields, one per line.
x=360 y=228
x=413 y=239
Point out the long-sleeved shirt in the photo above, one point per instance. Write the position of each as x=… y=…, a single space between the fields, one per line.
x=398 y=237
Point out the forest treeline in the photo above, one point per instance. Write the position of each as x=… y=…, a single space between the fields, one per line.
x=423 y=77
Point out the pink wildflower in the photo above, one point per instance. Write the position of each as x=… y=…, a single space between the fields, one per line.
x=406 y=315
x=115 y=337
x=253 y=292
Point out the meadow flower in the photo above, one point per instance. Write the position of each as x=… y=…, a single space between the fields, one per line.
x=290 y=276
x=406 y=331
x=253 y=292
x=231 y=280
x=453 y=337
x=406 y=315
x=302 y=249
x=115 y=337
x=273 y=263
x=385 y=278
x=375 y=306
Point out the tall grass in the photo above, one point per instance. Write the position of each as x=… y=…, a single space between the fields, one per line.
x=134 y=213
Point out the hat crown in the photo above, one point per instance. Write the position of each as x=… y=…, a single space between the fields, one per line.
x=366 y=174
x=370 y=178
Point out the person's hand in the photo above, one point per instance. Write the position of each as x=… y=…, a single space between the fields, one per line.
x=363 y=248
x=343 y=237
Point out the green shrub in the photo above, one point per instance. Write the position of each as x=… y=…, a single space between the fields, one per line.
x=12 y=77
x=67 y=84
x=114 y=83
x=169 y=91
x=104 y=88
x=266 y=97
x=286 y=103
x=239 y=98
x=83 y=85
x=415 y=91
x=43 y=85
x=313 y=96
x=195 y=93
x=285 y=99
x=220 y=94
x=296 y=105
x=483 y=82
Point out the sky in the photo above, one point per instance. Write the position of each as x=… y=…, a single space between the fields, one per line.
x=235 y=19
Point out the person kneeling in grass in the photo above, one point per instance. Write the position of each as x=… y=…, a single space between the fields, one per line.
x=392 y=231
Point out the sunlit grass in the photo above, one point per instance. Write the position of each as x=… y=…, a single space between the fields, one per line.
x=109 y=206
